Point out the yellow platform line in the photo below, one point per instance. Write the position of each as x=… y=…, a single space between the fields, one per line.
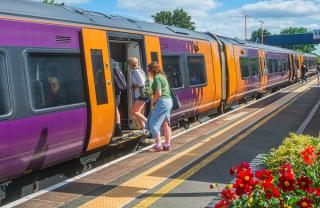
x=129 y=190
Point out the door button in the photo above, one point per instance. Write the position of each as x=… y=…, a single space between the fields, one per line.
x=109 y=82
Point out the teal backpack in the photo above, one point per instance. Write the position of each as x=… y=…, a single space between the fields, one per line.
x=146 y=90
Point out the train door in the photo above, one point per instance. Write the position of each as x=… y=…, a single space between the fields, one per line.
x=263 y=71
x=292 y=72
x=99 y=82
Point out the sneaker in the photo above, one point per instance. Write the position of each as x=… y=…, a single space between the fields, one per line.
x=155 y=148
x=118 y=132
x=166 y=147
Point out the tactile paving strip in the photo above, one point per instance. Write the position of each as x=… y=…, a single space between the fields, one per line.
x=131 y=189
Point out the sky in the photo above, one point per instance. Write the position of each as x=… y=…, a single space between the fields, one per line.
x=221 y=17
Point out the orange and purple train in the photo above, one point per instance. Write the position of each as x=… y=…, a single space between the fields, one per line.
x=76 y=47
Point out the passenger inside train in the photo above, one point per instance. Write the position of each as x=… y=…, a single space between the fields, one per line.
x=56 y=96
x=121 y=49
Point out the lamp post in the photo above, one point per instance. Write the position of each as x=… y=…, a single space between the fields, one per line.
x=261 y=32
x=245 y=20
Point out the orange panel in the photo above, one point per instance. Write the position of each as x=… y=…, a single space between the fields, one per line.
x=217 y=74
x=263 y=67
x=241 y=88
x=232 y=76
x=153 y=45
x=103 y=115
x=207 y=96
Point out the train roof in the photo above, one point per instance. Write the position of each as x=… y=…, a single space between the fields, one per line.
x=235 y=41
x=33 y=10
x=73 y=15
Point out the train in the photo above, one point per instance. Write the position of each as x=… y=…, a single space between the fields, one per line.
x=45 y=48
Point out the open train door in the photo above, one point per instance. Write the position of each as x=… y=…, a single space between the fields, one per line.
x=98 y=74
x=153 y=49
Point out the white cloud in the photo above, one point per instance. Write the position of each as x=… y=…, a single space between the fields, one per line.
x=277 y=15
x=200 y=8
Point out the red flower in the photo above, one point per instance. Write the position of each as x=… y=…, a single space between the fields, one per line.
x=286 y=183
x=222 y=204
x=244 y=167
x=304 y=203
x=304 y=183
x=232 y=171
x=256 y=184
x=245 y=178
x=317 y=191
x=270 y=190
x=240 y=189
x=308 y=156
x=264 y=174
x=285 y=169
x=227 y=195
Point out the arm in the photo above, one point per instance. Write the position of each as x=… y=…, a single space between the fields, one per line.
x=157 y=95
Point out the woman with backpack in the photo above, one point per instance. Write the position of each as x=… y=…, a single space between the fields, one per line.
x=138 y=80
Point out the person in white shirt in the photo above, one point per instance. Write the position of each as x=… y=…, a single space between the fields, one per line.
x=138 y=80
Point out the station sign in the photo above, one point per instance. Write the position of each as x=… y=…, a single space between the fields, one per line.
x=316 y=34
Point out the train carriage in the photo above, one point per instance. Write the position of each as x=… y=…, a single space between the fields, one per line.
x=55 y=47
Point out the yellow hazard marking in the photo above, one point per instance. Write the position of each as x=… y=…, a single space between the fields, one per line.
x=129 y=190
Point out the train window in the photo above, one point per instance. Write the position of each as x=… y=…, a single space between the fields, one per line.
x=244 y=67
x=99 y=76
x=255 y=69
x=55 y=79
x=197 y=70
x=297 y=63
x=172 y=68
x=275 y=66
x=285 y=65
x=4 y=90
x=269 y=66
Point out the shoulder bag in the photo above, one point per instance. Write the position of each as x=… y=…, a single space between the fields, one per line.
x=175 y=100
x=146 y=90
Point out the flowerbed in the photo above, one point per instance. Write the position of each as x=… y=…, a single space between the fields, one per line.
x=291 y=178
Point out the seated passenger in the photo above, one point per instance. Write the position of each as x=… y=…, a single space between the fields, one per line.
x=194 y=79
x=56 y=96
x=255 y=73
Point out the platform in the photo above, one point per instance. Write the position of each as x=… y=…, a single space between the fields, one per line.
x=201 y=156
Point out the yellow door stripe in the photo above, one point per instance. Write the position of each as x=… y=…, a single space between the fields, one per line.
x=129 y=190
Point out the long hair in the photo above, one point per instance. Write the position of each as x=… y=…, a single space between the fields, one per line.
x=133 y=61
x=156 y=69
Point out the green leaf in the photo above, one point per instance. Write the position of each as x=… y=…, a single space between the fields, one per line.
x=293 y=200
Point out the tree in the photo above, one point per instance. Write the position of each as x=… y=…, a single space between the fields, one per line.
x=179 y=18
x=49 y=2
x=307 y=48
x=257 y=34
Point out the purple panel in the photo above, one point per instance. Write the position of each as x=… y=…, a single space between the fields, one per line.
x=271 y=54
x=33 y=142
x=20 y=33
x=176 y=45
x=275 y=80
x=190 y=100
x=251 y=52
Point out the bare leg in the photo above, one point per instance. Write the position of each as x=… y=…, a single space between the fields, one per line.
x=167 y=130
x=118 y=121
x=158 y=138
x=135 y=111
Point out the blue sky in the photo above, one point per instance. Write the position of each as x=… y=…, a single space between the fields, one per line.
x=222 y=17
